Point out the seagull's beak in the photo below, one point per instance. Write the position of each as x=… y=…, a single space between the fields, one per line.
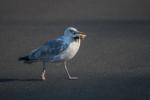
x=82 y=35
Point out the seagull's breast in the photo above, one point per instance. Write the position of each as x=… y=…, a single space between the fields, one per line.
x=71 y=51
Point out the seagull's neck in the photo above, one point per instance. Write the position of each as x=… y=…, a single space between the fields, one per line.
x=67 y=39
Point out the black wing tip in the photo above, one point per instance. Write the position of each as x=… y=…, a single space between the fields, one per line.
x=24 y=58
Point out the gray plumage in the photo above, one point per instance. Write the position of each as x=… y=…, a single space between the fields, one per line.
x=46 y=52
x=61 y=49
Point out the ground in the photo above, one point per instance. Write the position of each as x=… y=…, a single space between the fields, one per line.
x=113 y=62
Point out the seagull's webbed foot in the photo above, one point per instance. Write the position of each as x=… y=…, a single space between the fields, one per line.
x=43 y=72
x=70 y=77
x=43 y=77
x=73 y=78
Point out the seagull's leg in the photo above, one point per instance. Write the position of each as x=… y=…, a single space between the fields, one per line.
x=70 y=77
x=43 y=71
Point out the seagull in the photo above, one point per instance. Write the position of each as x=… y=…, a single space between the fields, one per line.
x=61 y=49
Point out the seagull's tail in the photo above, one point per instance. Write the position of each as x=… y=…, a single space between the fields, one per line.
x=25 y=59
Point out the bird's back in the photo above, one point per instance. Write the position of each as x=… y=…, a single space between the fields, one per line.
x=47 y=51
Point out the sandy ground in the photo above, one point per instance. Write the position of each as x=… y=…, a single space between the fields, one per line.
x=113 y=62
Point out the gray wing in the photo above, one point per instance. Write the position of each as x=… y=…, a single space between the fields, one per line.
x=48 y=50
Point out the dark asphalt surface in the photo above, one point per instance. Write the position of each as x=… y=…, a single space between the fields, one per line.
x=113 y=62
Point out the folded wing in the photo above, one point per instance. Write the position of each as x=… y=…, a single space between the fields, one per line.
x=46 y=52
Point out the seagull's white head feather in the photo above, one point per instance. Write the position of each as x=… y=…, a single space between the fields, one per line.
x=70 y=31
x=73 y=33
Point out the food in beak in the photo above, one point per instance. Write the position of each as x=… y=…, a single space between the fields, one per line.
x=82 y=35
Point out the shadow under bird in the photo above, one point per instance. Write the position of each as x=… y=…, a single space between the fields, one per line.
x=61 y=49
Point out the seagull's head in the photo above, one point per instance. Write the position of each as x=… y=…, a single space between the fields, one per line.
x=74 y=33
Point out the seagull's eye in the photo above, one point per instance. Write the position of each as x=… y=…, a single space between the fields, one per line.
x=74 y=33
x=71 y=31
